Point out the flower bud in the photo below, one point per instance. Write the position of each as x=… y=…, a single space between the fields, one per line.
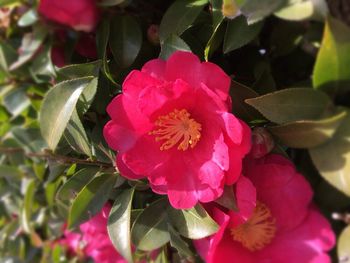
x=153 y=34
x=230 y=9
x=262 y=142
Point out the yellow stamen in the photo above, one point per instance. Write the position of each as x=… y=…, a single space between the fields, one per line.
x=177 y=127
x=258 y=231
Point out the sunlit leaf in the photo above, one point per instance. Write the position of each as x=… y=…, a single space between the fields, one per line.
x=119 y=223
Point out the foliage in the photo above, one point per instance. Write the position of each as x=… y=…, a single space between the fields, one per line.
x=289 y=63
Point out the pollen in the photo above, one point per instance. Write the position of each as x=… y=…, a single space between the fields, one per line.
x=258 y=231
x=177 y=128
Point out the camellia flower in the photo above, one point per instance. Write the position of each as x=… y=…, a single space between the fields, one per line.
x=81 y=15
x=93 y=241
x=172 y=125
x=280 y=226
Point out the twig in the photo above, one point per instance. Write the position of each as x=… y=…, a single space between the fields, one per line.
x=50 y=156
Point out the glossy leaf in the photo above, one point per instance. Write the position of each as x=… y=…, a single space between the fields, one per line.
x=57 y=108
x=181 y=246
x=332 y=159
x=172 y=44
x=28 y=18
x=290 y=105
x=331 y=71
x=76 y=135
x=308 y=134
x=301 y=10
x=8 y=56
x=110 y=2
x=75 y=183
x=74 y=71
x=256 y=10
x=179 y=17
x=150 y=229
x=91 y=199
x=102 y=37
x=194 y=223
x=31 y=43
x=119 y=223
x=27 y=211
x=125 y=39
x=343 y=247
x=239 y=33
x=228 y=199
x=16 y=101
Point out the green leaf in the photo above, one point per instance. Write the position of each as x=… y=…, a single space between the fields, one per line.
x=110 y=2
x=239 y=93
x=26 y=212
x=119 y=223
x=42 y=64
x=228 y=199
x=179 y=17
x=256 y=10
x=31 y=42
x=239 y=33
x=58 y=106
x=194 y=223
x=332 y=159
x=301 y=10
x=290 y=105
x=308 y=134
x=172 y=44
x=150 y=229
x=216 y=36
x=102 y=37
x=76 y=183
x=74 y=71
x=16 y=101
x=10 y=172
x=181 y=246
x=28 y=18
x=76 y=136
x=91 y=199
x=125 y=39
x=331 y=71
x=343 y=247
x=8 y=55
x=216 y=8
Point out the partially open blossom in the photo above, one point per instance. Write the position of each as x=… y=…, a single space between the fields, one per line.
x=281 y=226
x=262 y=142
x=93 y=240
x=81 y=15
x=230 y=9
x=172 y=125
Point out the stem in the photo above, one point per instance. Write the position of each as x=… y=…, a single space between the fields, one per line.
x=50 y=156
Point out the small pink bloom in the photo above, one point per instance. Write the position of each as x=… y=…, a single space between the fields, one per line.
x=81 y=15
x=283 y=225
x=93 y=241
x=172 y=125
x=262 y=142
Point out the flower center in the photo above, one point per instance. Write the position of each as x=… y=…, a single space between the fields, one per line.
x=177 y=128
x=258 y=231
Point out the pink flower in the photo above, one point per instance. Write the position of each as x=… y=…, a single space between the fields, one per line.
x=93 y=241
x=172 y=125
x=282 y=226
x=81 y=15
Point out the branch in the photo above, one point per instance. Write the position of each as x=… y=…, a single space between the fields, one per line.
x=50 y=156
